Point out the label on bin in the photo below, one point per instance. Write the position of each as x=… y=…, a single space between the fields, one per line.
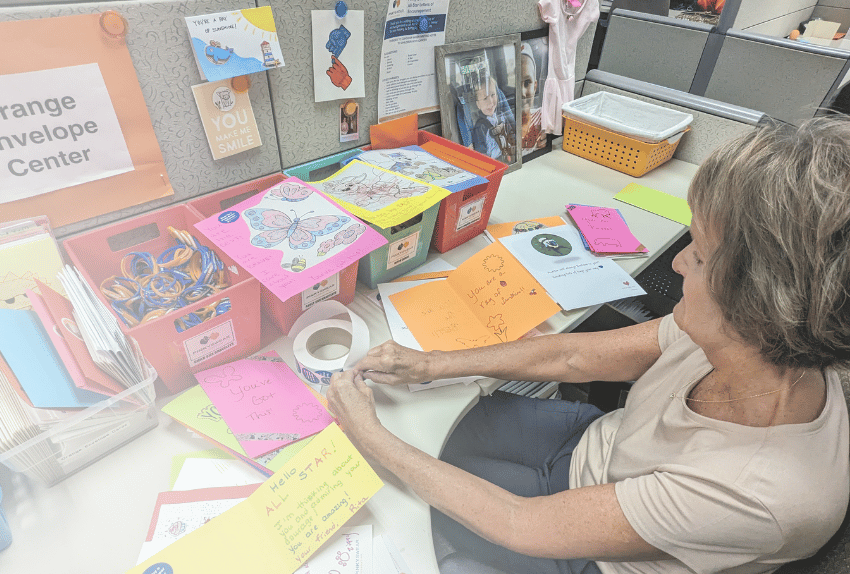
x=321 y=291
x=210 y=343
x=470 y=213
x=403 y=250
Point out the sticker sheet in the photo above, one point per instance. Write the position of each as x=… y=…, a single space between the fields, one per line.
x=378 y=195
x=291 y=237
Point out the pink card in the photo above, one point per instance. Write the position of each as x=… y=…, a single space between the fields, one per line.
x=604 y=229
x=263 y=402
x=291 y=237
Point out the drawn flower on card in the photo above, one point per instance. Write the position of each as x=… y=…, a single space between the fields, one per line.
x=227 y=375
x=493 y=263
x=307 y=412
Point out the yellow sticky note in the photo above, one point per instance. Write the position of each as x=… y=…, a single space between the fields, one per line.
x=657 y=202
x=21 y=263
x=286 y=519
x=380 y=196
x=489 y=299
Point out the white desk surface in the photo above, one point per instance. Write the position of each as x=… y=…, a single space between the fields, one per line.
x=96 y=520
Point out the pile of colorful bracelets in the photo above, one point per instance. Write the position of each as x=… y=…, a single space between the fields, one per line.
x=184 y=274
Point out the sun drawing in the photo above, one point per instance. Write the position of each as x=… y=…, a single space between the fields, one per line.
x=258 y=22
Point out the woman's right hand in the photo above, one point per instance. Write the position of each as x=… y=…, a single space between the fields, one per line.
x=393 y=364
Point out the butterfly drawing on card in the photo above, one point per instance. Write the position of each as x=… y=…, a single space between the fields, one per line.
x=290 y=192
x=300 y=231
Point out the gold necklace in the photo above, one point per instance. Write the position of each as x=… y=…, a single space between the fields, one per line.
x=673 y=395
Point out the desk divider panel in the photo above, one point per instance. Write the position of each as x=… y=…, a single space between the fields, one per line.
x=785 y=79
x=714 y=122
x=638 y=46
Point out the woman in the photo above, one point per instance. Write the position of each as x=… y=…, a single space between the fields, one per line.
x=731 y=454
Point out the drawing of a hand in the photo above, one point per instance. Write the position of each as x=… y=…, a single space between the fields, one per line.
x=339 y=74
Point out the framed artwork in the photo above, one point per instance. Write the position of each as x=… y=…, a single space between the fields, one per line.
x=480 y=99
x=533 y=70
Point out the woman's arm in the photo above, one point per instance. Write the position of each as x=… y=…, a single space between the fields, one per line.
x=616 y=355
x=581 y=523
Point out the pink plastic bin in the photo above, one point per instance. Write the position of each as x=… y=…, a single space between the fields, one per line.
x=283 y=314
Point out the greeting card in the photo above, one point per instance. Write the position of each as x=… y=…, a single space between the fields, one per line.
x=228 y=118
x=291 y=237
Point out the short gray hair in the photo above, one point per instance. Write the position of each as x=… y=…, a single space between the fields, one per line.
x=777 y=200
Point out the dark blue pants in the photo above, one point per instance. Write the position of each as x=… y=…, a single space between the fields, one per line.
x=525 y=446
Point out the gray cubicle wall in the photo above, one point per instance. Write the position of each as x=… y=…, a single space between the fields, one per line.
x=639 y=45
x=788 y=80
x=714 y=122
x=770 y=17
x=158 y=42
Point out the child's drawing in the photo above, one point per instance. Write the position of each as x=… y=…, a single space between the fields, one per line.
x=413 y=161
x=276 y=226
x=370 y=188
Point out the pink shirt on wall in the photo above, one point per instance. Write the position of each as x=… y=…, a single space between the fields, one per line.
x=567 y=23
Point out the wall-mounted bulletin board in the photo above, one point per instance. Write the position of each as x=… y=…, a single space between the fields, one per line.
x=161 y=55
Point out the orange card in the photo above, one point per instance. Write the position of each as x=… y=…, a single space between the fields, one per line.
x=395 y=133
x=489 y=299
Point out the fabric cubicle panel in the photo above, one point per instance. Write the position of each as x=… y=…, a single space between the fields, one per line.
x=639 y=46
x=161 y=52
x=308 y=130
x=774 y=18
x=834 y=11
x=785 y=79
x=714 y=122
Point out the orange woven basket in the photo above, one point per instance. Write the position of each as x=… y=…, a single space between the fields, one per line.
x=614 y=150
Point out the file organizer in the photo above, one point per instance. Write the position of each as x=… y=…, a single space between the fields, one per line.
x=407 y=249
x=175 y=355
x=65 y=447
x=464 y=214
x=339 y=287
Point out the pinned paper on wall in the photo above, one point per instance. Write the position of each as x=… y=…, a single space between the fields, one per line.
x=291 y=237
x=413 y=161
x=264 y=403
x=285 y=520
x=228 y=118
x=489 y=299
x=338 y=70
x=380 y=196
x=77 y=127
x=230 y=44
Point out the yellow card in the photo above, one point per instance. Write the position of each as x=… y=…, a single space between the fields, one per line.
x=489 y=299
x=379 y=196
x=22 y=262
x=286 y=519
x=657 y=202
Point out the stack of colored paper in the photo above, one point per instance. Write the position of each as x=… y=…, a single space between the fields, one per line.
x=256 y=409
x=604 y=231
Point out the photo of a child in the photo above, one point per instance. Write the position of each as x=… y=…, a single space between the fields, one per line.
x=483 y=87
x=534 y=56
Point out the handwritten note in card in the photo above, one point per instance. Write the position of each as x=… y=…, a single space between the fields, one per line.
x=489 y=299
x=285 y=520
x=264 y=403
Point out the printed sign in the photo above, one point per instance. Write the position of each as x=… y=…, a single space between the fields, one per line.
x=325 y=289
x=209 y=343
x=402 y=250
x=57 y=129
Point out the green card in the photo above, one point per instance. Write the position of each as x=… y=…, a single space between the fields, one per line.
x=657 y=202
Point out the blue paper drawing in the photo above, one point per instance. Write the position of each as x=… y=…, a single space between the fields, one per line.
x=337 y=40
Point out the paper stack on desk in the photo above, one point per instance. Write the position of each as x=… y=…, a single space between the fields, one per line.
x=604 y=231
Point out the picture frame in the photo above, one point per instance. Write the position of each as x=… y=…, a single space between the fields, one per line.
x=478 y=83
x=534 y=69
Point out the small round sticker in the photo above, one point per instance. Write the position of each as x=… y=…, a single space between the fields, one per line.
x=159 y=568
x=552 y=245
x=229 y=216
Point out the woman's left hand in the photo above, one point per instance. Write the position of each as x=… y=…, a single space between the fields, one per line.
x=352 y=403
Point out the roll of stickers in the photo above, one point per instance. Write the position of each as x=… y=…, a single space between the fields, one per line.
x=318 y=327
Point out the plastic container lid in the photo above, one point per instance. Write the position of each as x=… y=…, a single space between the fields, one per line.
x=627 y=116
